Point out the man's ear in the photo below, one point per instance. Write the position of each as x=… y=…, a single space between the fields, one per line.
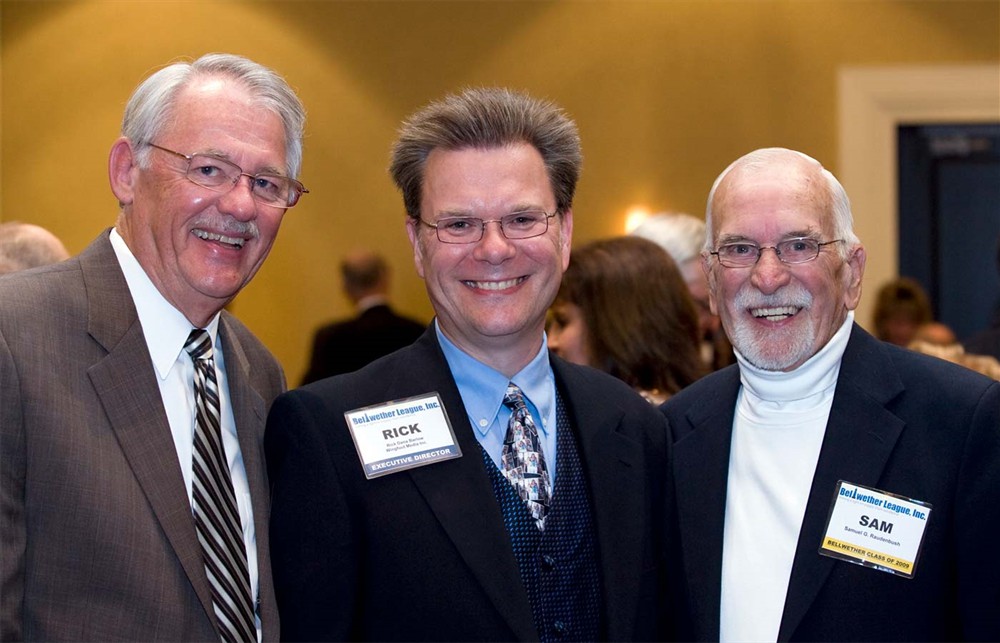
x=413 y=232
x=706 y=266
x=566 y=236
x=123 y=171
x=855 y=269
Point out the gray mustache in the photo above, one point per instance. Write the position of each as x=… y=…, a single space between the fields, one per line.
x=791 y=295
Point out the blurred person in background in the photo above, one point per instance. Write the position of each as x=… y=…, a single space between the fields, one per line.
x=23 y=246
x=683 y=237
x=938 y=340
x=623 y=308
x=376 y=330
x=901 y=307
x=935 y=333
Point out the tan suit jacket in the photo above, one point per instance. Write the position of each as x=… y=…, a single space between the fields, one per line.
x=96 y=533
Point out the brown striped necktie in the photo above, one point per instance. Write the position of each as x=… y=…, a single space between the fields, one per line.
x=217 y=519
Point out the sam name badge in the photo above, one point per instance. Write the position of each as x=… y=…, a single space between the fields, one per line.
x=402 y=434
x=875 y=529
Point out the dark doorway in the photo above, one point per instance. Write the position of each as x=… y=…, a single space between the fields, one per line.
x=949 y=219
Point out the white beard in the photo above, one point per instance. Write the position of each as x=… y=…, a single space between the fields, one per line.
x=778 y=349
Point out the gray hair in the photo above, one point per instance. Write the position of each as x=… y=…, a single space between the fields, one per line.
x=681 y=235
x=149 y=109
x=487 y=118
x=835 y=196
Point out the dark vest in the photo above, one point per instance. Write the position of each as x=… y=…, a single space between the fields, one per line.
x=559 y=567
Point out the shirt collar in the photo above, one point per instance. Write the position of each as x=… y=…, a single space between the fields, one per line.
x=370 y=302
x=165 y=328
x=483 y=388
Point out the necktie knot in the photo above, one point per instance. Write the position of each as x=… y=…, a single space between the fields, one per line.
x=199 y=344
x=513 y=399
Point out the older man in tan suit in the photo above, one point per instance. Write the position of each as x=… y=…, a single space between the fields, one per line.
x=133 y=492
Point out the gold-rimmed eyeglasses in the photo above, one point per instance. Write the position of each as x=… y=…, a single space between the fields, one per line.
x=218 y=174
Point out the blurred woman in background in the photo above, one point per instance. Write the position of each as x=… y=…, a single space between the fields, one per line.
x=624 y=308
x=901 y=307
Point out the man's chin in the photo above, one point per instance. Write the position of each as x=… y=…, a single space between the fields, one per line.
x=766 y=363
x=769 y=355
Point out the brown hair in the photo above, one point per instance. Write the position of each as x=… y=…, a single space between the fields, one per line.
x=642 y=326
x=905 y=298
x=487 y=118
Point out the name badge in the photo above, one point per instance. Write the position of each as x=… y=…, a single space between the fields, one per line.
x=875 y=529
x=402 y=434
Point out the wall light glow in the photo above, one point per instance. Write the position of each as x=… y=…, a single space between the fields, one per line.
x=634 y=216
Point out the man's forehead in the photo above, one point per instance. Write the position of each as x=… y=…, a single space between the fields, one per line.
x=790 y=176
x=207 y=88
x=212 y=98
x=473 y=169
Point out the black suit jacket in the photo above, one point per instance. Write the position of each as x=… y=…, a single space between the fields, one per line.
x=423 y=554
x=900 y=422
x=346 y=346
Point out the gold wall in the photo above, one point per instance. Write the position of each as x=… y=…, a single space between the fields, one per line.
x=666 y=94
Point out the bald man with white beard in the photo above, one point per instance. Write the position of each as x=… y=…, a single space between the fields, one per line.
x=829 y=486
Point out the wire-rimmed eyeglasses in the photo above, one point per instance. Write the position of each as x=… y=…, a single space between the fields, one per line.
x=516 y=225
x=218 y=174
x=791 y=251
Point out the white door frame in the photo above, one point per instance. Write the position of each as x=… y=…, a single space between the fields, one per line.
x=873 y=101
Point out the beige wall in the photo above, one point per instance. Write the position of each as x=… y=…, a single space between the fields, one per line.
x=666 y=95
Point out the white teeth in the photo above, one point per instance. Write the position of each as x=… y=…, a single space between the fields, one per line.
x=211 y=236
x=774 y=314
x=495 y=285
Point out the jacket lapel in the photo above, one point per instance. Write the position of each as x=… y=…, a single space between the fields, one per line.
x=614 y=466
x=126 y=385
x=860 y=437
x=461 y=496
x=701 y=473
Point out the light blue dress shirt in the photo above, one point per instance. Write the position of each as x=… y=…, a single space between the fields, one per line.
x=483 y=387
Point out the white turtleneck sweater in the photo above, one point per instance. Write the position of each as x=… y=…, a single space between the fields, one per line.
x=777 y=434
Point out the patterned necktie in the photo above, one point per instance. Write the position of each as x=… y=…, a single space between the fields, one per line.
x=217 y=520
x=522 y=458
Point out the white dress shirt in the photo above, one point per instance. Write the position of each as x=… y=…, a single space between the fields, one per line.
x=166 y=330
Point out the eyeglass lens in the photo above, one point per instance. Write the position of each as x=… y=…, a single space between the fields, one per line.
x=788 y=251
x=214 y=173
x=517 y=225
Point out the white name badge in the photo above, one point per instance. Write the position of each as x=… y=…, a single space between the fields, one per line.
x=402 y=434
x=875 y=529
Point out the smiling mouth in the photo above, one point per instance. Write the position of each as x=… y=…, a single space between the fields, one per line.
x=776 y=313
x=495 y=285
x=236 y=242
